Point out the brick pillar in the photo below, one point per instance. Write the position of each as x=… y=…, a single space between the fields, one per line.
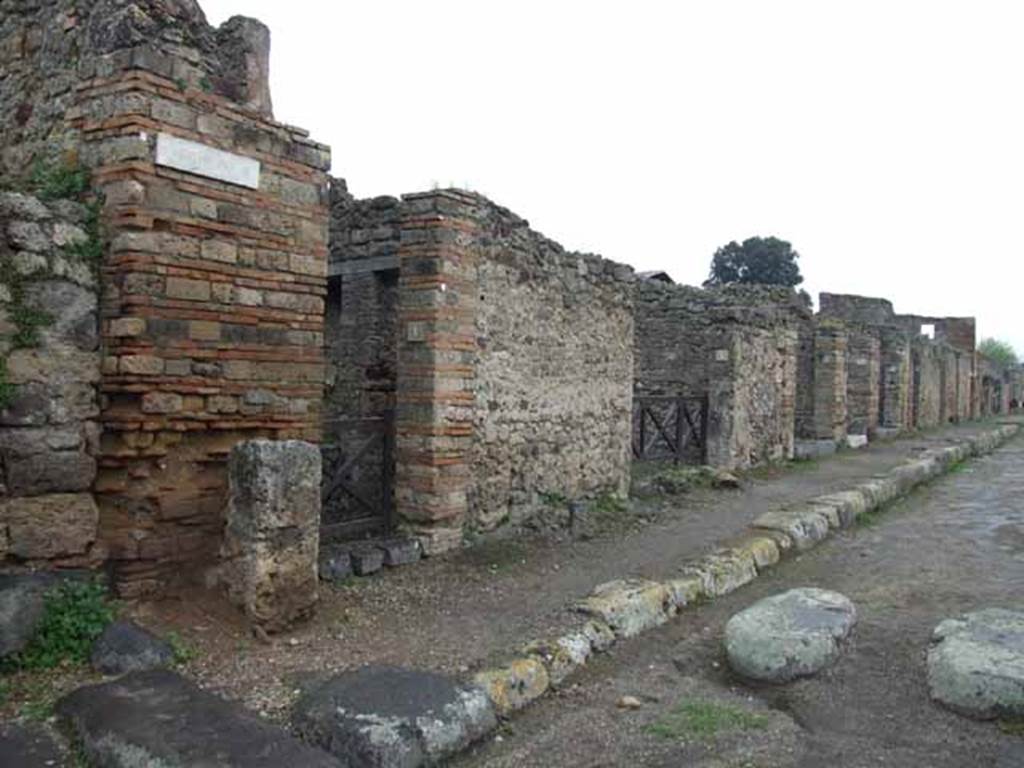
x=212 y=313
x=436 y=367
x=830 y=383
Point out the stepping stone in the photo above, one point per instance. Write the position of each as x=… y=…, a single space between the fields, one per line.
x=976 y=664
x=127 y=647
x=158 y=718
x=29 y=746
x=791 y=635
x=386 y=717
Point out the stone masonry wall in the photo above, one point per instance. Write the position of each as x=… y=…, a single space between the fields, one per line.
x=515 y=369
x=48 y=46
x=928 y=384
x=863 y=380
x=739 y=344
x=49 y=376
x=554 y=373
x=362 y=309
x=213 y=288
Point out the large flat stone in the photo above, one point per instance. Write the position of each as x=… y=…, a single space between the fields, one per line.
x=159 y=718
x=386 y=717
x=790 y=635
x=28 y=746
x=976 y=664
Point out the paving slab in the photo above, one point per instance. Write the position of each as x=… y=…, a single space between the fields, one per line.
x=28 y=746
x=159 y=718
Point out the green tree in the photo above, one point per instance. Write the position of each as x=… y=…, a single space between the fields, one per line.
x=759 y=260
x=1001 y=352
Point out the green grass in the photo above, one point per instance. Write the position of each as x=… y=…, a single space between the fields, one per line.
x=76 y=613
x=1012 y=726
x=703 y=719
x=184 y=651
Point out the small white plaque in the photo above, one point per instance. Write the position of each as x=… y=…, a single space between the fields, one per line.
x=193 y=157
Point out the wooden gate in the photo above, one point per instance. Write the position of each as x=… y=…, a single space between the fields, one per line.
x=671 y=427
x=357 y=492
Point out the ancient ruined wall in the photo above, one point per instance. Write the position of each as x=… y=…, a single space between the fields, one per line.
x=47 y=47
x=213 y=305
x=214 y=277
x=897 y=381
x=738 y=344
x=49 y=376
x=554 y=372
x=863 y=380
x=928 y=383
x=830 y=355
x=752 y=388
x=362 y=307
x=515 y=369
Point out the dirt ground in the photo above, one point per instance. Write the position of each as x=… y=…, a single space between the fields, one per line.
x=456 y=613
x=954 y=546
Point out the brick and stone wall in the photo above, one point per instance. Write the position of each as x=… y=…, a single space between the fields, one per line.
x=214 y=279
x=514 y=370
x=48 y=47
x=49 y=377
x=738 y=344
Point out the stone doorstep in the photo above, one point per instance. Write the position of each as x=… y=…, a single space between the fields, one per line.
x=340 y=561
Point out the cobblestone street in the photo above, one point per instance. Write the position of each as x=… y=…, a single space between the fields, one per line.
x=952 y=547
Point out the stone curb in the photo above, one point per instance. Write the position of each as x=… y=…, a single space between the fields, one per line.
x=622 y=609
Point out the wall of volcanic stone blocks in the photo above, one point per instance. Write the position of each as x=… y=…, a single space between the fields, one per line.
x=213 y=302
x=49 y=378
x=897 y=380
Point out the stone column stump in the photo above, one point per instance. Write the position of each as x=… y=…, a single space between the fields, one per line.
x=273 y=531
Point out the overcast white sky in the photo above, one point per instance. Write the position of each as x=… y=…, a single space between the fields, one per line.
x=885 y=140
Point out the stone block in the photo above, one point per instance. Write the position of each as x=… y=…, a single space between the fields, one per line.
x=804 y=530
x=391 y=717
x=629 y=606
x=127 y=326
x=188 y=290
x=336 y=566
x=158 y=718
x=813 y=449
x=141 y=365
x=50 y=472
x=367 y=560
x=514 y=686
x=272 y=535
x=400 y=552
x=47 y=527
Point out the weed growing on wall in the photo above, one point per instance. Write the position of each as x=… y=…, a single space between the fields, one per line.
x=58 y=180
x=76 y=613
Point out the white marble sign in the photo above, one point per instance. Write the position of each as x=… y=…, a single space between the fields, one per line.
x=193 y=157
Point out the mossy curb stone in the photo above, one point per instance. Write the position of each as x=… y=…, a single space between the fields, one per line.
x=976 y=664
x=790 y=635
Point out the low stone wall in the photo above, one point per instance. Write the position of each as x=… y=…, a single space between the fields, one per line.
x=49 y=377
